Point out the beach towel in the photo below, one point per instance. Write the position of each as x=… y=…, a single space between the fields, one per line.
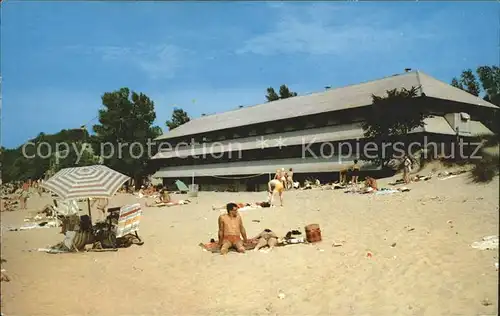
x=384 y=192
x=249 y=207
x=488 y=243
x=213 y=247
x=181 y=186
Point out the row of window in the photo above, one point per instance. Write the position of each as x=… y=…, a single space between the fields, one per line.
x=277 y=127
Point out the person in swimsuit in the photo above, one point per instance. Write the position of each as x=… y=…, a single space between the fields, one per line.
x=266 y=238
x=406 y=169
x=371 y=184
x=275 y=186
x=355 y=172
x=25 y=193
x=289 y=179
x=231 y=230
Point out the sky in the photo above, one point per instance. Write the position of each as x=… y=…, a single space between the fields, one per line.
x=58 y=58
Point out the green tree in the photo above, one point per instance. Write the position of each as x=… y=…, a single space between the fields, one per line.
x=391 y=118
x=272 y=95
x=126 y=121
x=457 y=84
x=469 y=82
x=284 y=93
x=179 y=117
x=489 y=81
x=19 y=165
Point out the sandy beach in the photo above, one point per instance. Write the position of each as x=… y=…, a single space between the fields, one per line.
x=422 y=261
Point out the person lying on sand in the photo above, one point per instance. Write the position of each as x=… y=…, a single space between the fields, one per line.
x=241 y=205
x=266 y=238
x=171 y=203
x=275 y=186
x=166 y=200
x=231 y=230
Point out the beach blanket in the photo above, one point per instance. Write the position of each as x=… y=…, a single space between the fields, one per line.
x=180 y=202
x=384 y=192
x=213 y=247
x=249 y=207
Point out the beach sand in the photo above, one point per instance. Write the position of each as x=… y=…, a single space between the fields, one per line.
x=430 y=270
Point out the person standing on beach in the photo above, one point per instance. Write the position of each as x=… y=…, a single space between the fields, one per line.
x=231 y=230
x=275 y=186
x=289 y=179
x=24 y=196
x=355 y=172
x=406 y=169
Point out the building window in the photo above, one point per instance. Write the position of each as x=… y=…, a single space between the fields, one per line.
x=310 y=125
x=269 y=130
x=289 y=128
x=331 y=122
x=252 y=133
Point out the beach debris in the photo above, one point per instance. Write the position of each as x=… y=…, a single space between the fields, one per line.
x=337 y=244
x=269 y=307
x=3 y=276
x=450 y=222
x=496 y=266
x=255 y=220
x=486 y=302
x=281 y=295
x=320 y=250
x=34 y=226
x=369 y=254
x=487 y=243
x=393 y=245
x=409 y=228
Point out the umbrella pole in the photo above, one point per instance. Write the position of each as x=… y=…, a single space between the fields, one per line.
x=90 y=213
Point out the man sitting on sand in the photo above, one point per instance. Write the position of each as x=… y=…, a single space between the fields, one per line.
x=275 y=186
x=371 y=185
x=231 y=230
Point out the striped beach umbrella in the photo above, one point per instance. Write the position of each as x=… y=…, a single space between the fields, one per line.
x=96 y=181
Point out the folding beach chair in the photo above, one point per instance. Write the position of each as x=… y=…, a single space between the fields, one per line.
x=128 y=222
x=181 y=186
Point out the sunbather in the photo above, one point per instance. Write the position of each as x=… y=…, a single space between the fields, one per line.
x=231 y=230
x=241 y=205
x=266 y=238
x=166 y=200
x=371 y=185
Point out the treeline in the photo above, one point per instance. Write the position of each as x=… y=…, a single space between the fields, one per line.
x=25 y=162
